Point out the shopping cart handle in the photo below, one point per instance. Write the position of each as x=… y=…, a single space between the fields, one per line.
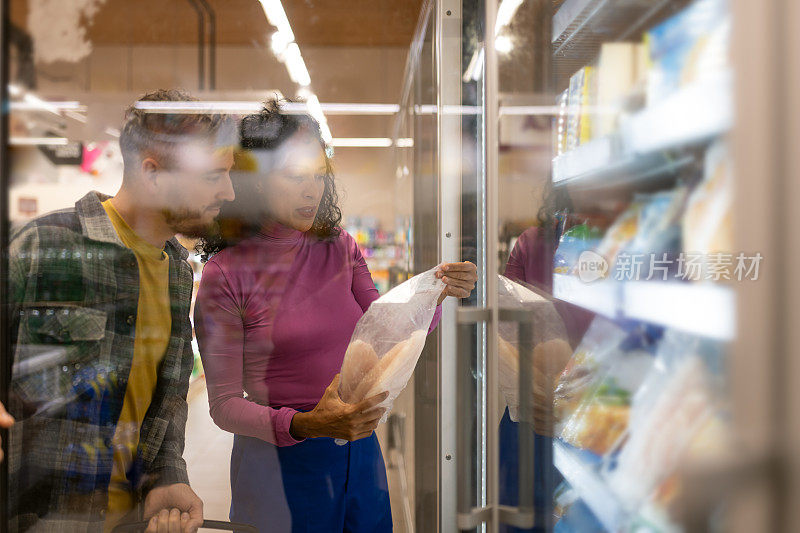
x=207 y=524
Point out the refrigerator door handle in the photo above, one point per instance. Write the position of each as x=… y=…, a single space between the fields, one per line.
x=467 y=517
x=522 y=516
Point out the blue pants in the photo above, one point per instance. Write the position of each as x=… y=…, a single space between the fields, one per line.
x=313 y=486
x=545 y=476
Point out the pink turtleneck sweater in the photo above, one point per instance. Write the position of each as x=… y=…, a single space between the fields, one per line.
x=273 y=317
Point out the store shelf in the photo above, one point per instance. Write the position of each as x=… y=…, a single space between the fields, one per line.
x=601 y=297
x=694 y=114
x=601 y=163
x=704 y=309
x=590 y=158
x=582 y=475
x=581 y=26
x=641 y=151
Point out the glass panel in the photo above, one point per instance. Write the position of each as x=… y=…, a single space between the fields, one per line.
x=613 y=145
x=130 y=370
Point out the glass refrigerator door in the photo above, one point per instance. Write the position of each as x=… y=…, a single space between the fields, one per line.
x=619 y=354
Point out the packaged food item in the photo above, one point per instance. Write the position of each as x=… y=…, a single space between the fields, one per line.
x=388 y=340
x=572 y=242
x=650 y=227
x=676 y=400
x=689 y=46
x=550 y=351
x=579 y=107
x=707 y=226
x=588 y=97
x=591 y=360
x=622 y=231
x=602 y=417
x=618 y=71
x=658 y=229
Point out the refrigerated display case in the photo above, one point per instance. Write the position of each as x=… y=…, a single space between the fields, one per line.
x=625 y=126
x=624 y=175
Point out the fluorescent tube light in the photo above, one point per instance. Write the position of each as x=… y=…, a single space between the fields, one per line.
x=361 y=142
x=296 y=66
x=38 y=141
x=370 y=142
x=279 y=42
x=277 y=17
x=315 y=110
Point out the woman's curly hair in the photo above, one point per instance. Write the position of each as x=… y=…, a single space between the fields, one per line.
x=243 y=217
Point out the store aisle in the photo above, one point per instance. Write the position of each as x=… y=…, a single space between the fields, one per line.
x=207 y=455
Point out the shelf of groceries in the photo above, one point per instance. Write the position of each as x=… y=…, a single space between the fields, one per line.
x=639 y=150
x=642 y=394
x=633 y=404
x=630 y=112
x=626 y=117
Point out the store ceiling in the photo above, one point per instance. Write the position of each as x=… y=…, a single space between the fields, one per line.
x=242 y=22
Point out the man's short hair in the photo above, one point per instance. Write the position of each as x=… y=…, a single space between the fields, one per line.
x=150 y=132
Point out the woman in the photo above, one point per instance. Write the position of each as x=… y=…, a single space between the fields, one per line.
x=277 y=304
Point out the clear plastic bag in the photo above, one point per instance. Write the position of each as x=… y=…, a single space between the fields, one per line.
x=388 y=340
x=550 y=354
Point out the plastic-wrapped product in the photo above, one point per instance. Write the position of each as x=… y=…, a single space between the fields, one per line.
x=388 y=340
x=707 y=222
x=602 y=417
x=550 y=350
x=688 y=47
x=589 y=362
x=622 y=231
x=659 y=223
x=574 y=241
x=676 y=400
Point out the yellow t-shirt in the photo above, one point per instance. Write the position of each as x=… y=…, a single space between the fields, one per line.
x=153 y=326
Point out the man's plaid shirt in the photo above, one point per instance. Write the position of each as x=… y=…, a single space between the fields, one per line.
x=74 y=291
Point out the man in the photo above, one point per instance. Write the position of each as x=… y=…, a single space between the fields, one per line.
x=101 y=295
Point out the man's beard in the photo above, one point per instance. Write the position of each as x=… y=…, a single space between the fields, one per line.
x=188 y=222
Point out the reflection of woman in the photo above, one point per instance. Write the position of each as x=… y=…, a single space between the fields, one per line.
x=276 y=307
x=531 y=262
